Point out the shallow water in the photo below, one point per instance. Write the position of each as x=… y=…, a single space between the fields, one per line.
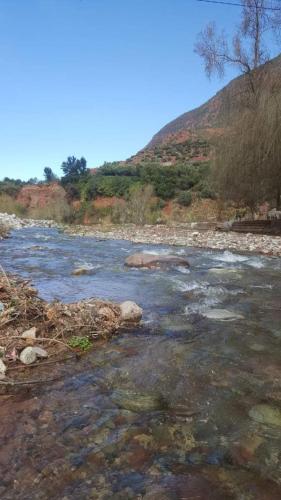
x=178 y=408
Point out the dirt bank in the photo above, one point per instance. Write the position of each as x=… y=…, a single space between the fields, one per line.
x=185 y=235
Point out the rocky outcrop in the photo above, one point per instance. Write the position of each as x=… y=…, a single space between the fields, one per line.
x=155 y=260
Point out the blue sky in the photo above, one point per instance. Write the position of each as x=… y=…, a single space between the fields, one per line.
x=96 y=77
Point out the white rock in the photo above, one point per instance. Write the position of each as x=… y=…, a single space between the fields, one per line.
x=28 y=356
x=221 y=314
x=29 y=334
x=40 y=353
x=3 y=367
x=130 y=311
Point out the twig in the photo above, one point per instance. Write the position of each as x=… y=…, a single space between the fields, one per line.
x=40 y=339
x=27 y=382
x=42 y=363
x=4 y=274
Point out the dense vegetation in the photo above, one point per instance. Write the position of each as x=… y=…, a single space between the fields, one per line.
x=113 y=179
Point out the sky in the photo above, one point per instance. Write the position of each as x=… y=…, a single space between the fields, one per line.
x=96 y=78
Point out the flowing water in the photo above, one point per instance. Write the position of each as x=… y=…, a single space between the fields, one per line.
x=187 y=406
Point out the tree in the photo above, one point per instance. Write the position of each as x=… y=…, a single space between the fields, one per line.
x=248 y=49
x=49 y=175
x=73 y=167
x=247 y=160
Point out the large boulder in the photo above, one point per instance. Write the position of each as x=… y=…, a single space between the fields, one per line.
x=130 y=311
x=155 y=260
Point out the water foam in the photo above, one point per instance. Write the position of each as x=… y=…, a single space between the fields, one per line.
x=230 y=257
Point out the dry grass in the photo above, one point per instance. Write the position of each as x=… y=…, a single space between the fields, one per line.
x=55 y=323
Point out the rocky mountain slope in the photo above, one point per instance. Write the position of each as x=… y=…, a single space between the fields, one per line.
x=193 y=130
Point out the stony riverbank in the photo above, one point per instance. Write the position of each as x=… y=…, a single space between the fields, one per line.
x=11 y=221
x=185 y=235
x=180 y=234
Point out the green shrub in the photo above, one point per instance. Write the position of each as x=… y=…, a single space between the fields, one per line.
x=184 y=198
x=82 y=343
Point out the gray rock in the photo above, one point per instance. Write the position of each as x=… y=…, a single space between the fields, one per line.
x=130 y=311
x=28 y=356
x=154 y=260
x=29 y=334
x=40 y=353
x=2 y=307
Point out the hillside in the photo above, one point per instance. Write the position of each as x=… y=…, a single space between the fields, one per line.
x=188 y=135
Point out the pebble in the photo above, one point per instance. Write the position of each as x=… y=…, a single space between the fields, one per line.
x=28 y=356
x=29 y=334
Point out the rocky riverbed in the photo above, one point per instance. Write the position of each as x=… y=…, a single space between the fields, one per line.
x=185 y=235
x=186 y=405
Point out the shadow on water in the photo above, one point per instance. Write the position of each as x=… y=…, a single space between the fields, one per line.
x=186 y=406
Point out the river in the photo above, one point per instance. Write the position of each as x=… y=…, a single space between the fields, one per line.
x=186 y=406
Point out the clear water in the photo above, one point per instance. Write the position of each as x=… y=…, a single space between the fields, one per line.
x=162 y=411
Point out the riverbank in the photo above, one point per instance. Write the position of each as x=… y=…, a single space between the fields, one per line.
x=184 y=235
x=12 y=221
x=198 y=235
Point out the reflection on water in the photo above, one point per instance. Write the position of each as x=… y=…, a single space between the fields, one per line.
x=186 y=406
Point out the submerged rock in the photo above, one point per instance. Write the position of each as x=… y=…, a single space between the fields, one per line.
x=130 y=311
x=135 y=401
x=80 y=271
x=154 y=260
x=266 y=414
x=226 y=272
x=221 y=314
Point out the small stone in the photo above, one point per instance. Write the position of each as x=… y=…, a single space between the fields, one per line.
x=28 y=356
x=130 y=311
x=30 y=334
x=2 y=307
x=3 y=367
x=40 y=353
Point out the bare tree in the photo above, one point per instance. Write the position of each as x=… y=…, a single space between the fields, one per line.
x=248 y=48
x=248 y=158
